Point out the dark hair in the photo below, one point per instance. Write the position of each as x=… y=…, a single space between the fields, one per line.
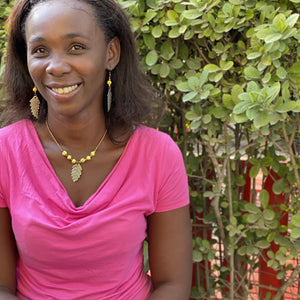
x=133 y=95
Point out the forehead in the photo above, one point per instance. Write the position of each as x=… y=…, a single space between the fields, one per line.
x=61 y=15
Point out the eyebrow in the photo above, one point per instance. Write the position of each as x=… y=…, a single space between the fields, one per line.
x=67 y=36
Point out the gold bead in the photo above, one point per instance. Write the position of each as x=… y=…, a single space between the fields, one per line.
x=64 y=153
x=82 y=160
x=69 y=157
x=74 y=161
x=88 y=158
x=34 y=89
x=109 y=82
x=92 y=153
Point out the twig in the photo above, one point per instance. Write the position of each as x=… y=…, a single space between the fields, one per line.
x=283 y=288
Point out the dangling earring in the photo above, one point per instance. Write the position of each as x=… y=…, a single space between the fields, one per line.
x=109 y=94
x=35 y=104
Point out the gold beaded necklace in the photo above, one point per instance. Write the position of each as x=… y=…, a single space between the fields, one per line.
x=76 y=168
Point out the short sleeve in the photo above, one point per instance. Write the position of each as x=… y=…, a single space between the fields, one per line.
x=174 y=191
x=3 y=202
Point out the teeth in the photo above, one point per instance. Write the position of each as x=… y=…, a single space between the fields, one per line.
x=65 y=90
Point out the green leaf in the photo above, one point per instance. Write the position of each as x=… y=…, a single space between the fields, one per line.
x=212 y=68
x=203 y=77
x=157 y=32
x=183 y=86
x=235 y=92
x=264 y=198
x=172 y=15
x=164 y=70
x=182 y=29
x=191 y=115
x=252 y=73
x=150 y=14
x=295 y=233
x=292 y=19
x=193 y=64
x=273 y=38
x=193 y=82
x=254 y=55
x=197 y=256
x=241 y=107
x=242 y=251
x=264 y=33
x=189 y=96
x=149 y=41
x=192 y=14
x=176 y=63
x=195 y=125
x=183 y=51
x=226 y=65
x=151 y=58
x=227 y=101
x=206 y=119
x=287 y=106
x=252 y=218
x=263 y=244
x=279 y=186
x=295 y=220
x=174 y=33
x=254 y=171
x=166 y=50
x=294 y=74
x=261 y=118
x=252 y=208
x=286 y=91
x=281 y=73
x=220 y=112
x=268 y=214
x=233 y=221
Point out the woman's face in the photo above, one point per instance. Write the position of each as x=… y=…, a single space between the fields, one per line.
x=67 y=56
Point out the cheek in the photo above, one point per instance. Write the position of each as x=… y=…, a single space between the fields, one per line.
x=35 y=70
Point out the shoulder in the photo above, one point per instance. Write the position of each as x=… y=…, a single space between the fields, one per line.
x=152 y=136
x=14 y=133
x=14 y=128
x=155 y=144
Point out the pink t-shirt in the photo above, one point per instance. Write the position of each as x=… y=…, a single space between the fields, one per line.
x=94 y=251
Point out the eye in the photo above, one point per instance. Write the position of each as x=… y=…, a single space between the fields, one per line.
x=39 y=51
x=77 y=47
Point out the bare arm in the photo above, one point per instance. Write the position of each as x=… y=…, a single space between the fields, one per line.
x=170 y=254
x=8 y=257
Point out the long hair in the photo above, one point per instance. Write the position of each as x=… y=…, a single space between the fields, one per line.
x=133 y=95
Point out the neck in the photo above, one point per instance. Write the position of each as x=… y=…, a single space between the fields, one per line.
x=76 y=133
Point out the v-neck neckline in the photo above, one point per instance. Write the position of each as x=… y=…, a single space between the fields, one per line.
x=54 y=179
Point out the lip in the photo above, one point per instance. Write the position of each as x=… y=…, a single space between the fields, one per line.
x=64 y=90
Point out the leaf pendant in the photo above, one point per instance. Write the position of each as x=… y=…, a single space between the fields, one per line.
x=35 y=106
x=76 y=172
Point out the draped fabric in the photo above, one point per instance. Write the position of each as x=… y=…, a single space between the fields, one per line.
x=94 y=251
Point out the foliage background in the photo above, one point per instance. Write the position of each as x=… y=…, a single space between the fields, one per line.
x=229 y=73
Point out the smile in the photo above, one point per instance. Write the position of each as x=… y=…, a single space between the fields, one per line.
x=65 y=90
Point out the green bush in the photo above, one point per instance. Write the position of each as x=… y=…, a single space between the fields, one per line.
x=5 y=9
x=229 y=73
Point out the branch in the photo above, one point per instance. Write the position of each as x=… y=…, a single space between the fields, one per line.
x=201 y=53
x=288 y=283
x=215 y=202
x=292 y=156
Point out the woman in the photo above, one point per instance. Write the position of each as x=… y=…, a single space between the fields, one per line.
x=82 y=182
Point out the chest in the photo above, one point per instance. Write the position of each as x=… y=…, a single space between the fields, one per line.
x=89 y=176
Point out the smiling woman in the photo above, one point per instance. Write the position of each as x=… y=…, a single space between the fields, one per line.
x=82 y=182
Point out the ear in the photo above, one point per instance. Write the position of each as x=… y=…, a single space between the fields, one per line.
x=113 y=54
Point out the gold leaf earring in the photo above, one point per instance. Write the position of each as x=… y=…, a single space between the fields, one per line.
x=109 y=93
x=35 y=104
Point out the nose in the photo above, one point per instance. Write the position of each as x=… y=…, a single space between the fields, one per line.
x=58 y=65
